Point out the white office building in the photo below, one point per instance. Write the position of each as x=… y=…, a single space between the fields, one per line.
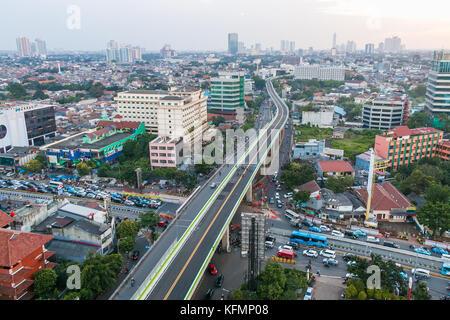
x=321 y=72
x=385 y=112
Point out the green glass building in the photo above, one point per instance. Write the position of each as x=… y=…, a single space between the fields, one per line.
x=227 y=92
x=437 y=98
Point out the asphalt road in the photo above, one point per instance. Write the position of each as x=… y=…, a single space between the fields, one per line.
x=180 y=275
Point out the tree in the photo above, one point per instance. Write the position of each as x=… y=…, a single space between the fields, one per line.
x=218 y=120
x=45 y=283
x=114 y=262
x=339 y=185
x=272 y=281
x=73 y=295
x=16 y=91
x=438 y=193
x=302 y=196
x=97 y=275
x=39 y=95
x=417 y=182
x=351 y=292
x=83 y=169
x=128 y=228
x=126 y=244
x=435 y=215
x=149 y=219
x=362 y=295
x=420 y=292
x=297 y=174
x=34 y=166
x=418 y=120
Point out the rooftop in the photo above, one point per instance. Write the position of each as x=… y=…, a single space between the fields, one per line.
x=335 y=166
x=5 y=219
x=385 y=197
x=76 y=142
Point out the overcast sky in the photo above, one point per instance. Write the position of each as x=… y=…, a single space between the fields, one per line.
x=204 y=24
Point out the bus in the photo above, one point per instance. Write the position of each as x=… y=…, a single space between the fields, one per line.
x=446 y=269
x=291 y=215
x=308 y=239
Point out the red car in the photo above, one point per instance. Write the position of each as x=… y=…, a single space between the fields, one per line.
x=212 y=269
x=162 y=223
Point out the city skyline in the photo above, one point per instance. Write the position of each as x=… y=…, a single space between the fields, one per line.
x=210 y=22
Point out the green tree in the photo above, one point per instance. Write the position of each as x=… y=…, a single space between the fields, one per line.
x=420 y=292
x=362 y=295
x=297 y=174
x=435 y=215
x=97 y=275
x=45 y=283
x=272 y=281
x=218 y=120
x=418 y=120
x=417 y=182
x=39 y=95
x=438 y=193
x=114 y=262
x=302 y=196
x=126 y=244
x=149 y=219
x=351 y=292
x=83 y=169
x=34 y=166
x=16 y=91
x=128 y=228
x=73 y=295
x=339 y=185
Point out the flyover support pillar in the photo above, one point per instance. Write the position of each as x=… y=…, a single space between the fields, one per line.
x=249 y=194
x=226 y=240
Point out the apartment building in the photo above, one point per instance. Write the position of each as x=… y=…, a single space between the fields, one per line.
x=437 y=98
x=166 y=152
x=321 y=72
x=175 y=113
x=227 y=92
x=386 y=111
x=402 y=146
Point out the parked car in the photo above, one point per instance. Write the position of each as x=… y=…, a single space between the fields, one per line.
x=324 y=228
x=271 y=201
x=219 y=281
x=360 y=233
x=294 y=245
x=307 y=223
x=310 y=253
x=337 y=233
x=277 y=195
x=439 y=250
x=288 y=195
x=161 y=223
x=279 y=204
x=212 y=269
x=268 y=244
x=423 y=251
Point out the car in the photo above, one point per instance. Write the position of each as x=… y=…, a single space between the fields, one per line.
x=135 y=255
x=337 y=233
x=212 y=269
x=286 y=247
x=277 y=195
x=423 y=251
x=219 y=281
x=278 y=188
x=271 y=201
x=310 y=253
x=348 y=256
x=161 y=223
x=349 y=233
x=360 y=233
x=294 y=245
x=308 y=294
x=351 y=263
x=324 y=228
x=129 y=202
x=213 y=185
x=288 y=195
x=328 y=254
x=315 y=229
x=330 y=262
x=268 y=244
x=439 y=250
x=350 y=276
x=372 y=239
x=279 y=204
x=270 y=238
x=404 y=275
x=390 y=244
x=209 y=294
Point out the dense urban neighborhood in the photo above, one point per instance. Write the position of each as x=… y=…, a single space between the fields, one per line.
x=251 y=174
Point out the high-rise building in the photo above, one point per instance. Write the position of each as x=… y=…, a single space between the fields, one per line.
x=41 y=48
x=233 y=43
x=241 y=47
x=227 y=92
x=284 y=45
x=122 y=54
x=177 y=113
x=167 y=52
x=386 y=111
x=393 y=44
x=291 y=46
x=381 y=47
x=437 y=97
x=23 y=47
x=370 y=49
x=112 y=51
x=334 y=40
x=351 y=47
x=308 y=72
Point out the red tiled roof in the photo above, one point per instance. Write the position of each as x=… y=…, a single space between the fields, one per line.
x=385 y=197
x=310 y=186
x=335 y=166
x=16 y=245
x=424 y=130
x=119 y=124
x=5 y=219
x=401 y=131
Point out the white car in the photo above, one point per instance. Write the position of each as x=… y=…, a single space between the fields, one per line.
x=285 y=247
x=349 y=276
x=372 y=239
x=310 y=253
x=325 y=228
x=268 y=244
x=277 y=195
x=337 y=233
x=351 y=263
x=288 y=195
x=308 y=294
x=328 y=254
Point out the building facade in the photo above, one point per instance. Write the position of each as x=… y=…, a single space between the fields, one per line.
x=166 y=152
x=233 y=40
x=437 y=97
x=403 y=146
x=227 y=92
x=308 y=72
x=386 y=111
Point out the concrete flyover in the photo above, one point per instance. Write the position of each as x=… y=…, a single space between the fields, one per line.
x=201 y=223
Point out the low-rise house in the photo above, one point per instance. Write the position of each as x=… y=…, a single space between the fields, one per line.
x=334 y=168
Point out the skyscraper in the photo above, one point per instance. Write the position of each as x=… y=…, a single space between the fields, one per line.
x=112 y=51
x=351 y=47
x=370 y=49
x=41 y=48
x=437 y=97
x=334 y=40
x=393 y=44
x=227 y=92
x=292 y=46
x=232 y=43
x=23 y=47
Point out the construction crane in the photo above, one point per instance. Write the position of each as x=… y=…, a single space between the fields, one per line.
x=370 y=220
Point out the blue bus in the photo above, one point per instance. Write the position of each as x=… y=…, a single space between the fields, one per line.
x=309 y=239
x=446 y=269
